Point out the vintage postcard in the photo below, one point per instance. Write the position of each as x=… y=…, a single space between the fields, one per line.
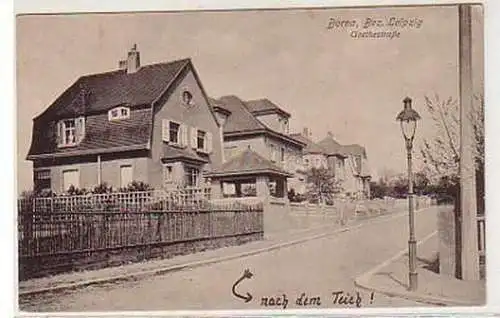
x=285 y=159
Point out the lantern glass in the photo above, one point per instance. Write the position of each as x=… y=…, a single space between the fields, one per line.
x=408 y=127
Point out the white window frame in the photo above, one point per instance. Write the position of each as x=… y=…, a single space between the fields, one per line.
x=65 y=128
x=76 y=131
x=119 y=113
x=178 y=134
x=197 y=174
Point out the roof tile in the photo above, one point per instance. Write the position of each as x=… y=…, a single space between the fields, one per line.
x=248 y=162
x=100 y=92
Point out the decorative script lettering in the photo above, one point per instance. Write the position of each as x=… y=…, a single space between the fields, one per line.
x=390 y=27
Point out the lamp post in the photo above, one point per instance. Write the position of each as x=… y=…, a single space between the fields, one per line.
x=408 y=119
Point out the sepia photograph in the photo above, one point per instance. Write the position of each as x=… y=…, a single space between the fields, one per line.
x=260 y=159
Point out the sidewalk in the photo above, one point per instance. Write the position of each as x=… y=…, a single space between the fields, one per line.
x=391 y=279
x=144 y=269
x=134 y=271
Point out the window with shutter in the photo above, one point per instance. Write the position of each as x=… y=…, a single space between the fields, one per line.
x=184 y=135
x=209 y=145
x=59 y=133
x=194 y=135
x=273 y=153
x=165 y=132
x=80 y=129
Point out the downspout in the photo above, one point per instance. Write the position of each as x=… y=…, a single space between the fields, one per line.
x=99 y=170
x=221 y=136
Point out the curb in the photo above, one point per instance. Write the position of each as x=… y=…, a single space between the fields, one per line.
x=213 y=260
x=164 y=270
x=363 y=281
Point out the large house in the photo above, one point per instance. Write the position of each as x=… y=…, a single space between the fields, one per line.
x=347 y=163
x=350 y=165
x=148 y=123
x=156 y=124
x=262 y=126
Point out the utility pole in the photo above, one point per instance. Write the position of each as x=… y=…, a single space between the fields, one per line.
x=468 y=203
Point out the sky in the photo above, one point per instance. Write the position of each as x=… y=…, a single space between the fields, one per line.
x=326 y=79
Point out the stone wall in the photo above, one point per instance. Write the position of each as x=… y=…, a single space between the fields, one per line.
x=54 y=264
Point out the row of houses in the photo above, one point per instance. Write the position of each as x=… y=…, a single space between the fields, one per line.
x=156 y=123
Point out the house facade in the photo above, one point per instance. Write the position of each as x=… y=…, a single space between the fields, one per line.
x=148 y=123
x=349 y=165
x=263 y=127
x=358 y=171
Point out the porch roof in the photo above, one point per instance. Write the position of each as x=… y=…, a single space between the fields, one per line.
x=248 y=163
x=172 y=153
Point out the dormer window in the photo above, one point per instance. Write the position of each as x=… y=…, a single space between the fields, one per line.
x=70 y=132
x=119 y=113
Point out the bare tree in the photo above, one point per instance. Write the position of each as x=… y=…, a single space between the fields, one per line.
x=441 y=153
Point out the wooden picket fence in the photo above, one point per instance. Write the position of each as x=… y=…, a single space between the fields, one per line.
x=58 y=232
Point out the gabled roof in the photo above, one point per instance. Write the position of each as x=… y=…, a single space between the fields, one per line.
x=93 y=95
x=241 y=121
x=248 y=163
x=264 y=106
x=311 y=146
x=331 y=146
x=103 y=91
x=355 y=149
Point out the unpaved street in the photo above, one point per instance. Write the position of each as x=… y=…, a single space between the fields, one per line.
x=316 y=269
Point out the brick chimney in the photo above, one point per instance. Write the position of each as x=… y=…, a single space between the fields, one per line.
x=133 y=61
x=122 y=64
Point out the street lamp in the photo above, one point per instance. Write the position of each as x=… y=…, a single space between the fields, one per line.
x=408 y=119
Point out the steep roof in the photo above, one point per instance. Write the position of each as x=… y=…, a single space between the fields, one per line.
x=242 y=121
x=264 y=106
x=103 y=91
x=248 y=163
x=218 y=106
x=331 y=146
x=355 y=149
x=93 y=95
x=311 y=147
